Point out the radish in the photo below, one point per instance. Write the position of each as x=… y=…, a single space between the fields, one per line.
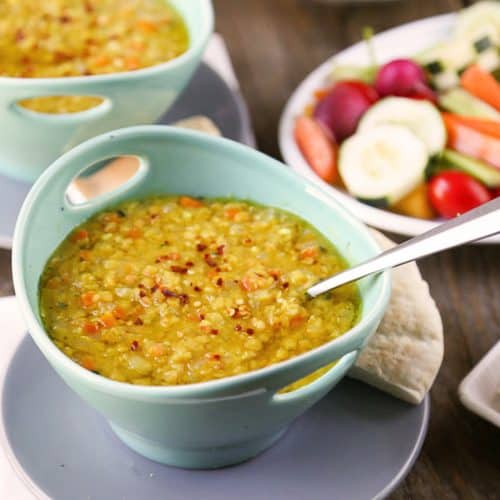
x=341 y=109
x=400 y=77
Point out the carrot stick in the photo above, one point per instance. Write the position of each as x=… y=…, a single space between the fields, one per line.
x=318 y=149
x=468 y=141
x=488 y=127
x=481 y=84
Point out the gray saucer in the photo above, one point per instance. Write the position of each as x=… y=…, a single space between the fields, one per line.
x=207 y=94
x=356 y=443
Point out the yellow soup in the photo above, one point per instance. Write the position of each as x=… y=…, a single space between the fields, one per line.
x=60 y=38
x=168 y=291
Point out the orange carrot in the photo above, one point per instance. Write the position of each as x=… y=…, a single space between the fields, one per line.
x=470 y=142
x=488 y=127
x=146 y=26
x=481 y=84
x=107 y=320
x=318 y=149
x=231 y=213
x=134 y=233
x=91 y=328
x=87 y=299
x=81 y=234
x=188 y=202
x=88 y=363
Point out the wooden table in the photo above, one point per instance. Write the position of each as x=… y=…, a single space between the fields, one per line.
x=273 y=45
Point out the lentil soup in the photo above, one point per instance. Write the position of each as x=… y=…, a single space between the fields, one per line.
x=61 y=38
x=178 y=290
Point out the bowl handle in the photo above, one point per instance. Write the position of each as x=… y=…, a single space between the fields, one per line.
x=59 y=176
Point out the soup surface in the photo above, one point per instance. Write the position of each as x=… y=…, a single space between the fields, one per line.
x=168 y=291
x=61 y=38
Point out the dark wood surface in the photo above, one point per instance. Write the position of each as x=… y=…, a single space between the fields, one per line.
x=273 y=45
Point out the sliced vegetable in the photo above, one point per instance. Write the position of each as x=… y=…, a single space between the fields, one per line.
x=344 y=105
x=481 y=84
x=463 y=103
x=479 y=20
x=421 y=117
x=453 y=193
x=470 y=142
x=443 y=62
x=366 y=74
x=318 y=149
x=416 y=204
x=400 y=77
x=383 y=164
x=486 y=174
x=489 y=127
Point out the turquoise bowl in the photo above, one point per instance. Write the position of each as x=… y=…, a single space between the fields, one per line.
x=221 y=422
x=31 y=141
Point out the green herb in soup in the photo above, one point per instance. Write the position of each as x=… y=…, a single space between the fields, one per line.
x=168 y=291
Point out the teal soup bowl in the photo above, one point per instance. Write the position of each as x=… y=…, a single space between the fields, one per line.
x=219 y=422
x=31 y=141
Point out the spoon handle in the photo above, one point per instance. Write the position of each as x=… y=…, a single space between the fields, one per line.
x=476 y=224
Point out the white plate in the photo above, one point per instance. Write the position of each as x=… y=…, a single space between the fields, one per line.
x=480 y=390
x=402 y=41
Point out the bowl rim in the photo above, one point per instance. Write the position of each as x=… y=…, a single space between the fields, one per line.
x=99 y=382
x=207 y=30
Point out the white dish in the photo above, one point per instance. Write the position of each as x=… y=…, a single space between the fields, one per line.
x=402 y=41
x=480 y=390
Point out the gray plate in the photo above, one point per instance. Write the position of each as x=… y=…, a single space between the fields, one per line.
x=356 y=443
x=207 y=94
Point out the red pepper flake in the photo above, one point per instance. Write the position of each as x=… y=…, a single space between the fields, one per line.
x=250 y=331
x=141 y=285
x=155 y=287
x=138 y=321
x=216 y=357
x=247 y=241
x=134 y=345
x=200 y=247
x=220 y=249
x=238 y=328
x=65 y=19
x=142 y=293
x=218 y=269
x=20 y=35
x=214 y=331
x=197 y=288
x=201 y=316
x=178 y=269
x=220 y=282
x=209 y=260
x=168 y=293
x=189 y=264
x=285 y=284
x=183 y=298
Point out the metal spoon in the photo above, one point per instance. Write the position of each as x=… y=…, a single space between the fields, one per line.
x=474 y=225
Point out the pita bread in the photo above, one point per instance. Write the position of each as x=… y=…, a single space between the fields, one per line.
x=200 y=123
x=404 y=355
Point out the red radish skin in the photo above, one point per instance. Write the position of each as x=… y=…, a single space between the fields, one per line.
x=319 y=150
x=452 y=193
x=341 y=109
x=401 y=77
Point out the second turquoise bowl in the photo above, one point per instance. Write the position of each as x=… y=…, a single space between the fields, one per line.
x=30 y=142
x=221 y=422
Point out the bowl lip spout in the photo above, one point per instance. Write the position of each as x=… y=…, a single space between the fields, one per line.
x=350 y=341
x=208 y=20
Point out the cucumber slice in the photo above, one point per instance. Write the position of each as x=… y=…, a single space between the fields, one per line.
x=444 y=61
x=383 y=164
x=421 y=117
x=488 y=175
x=479 y=20
x=351 y=72
x=461 y=102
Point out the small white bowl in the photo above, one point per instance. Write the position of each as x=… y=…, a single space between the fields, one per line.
x=480 y=390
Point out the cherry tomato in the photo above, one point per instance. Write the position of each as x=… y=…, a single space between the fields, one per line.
x=452 y=193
